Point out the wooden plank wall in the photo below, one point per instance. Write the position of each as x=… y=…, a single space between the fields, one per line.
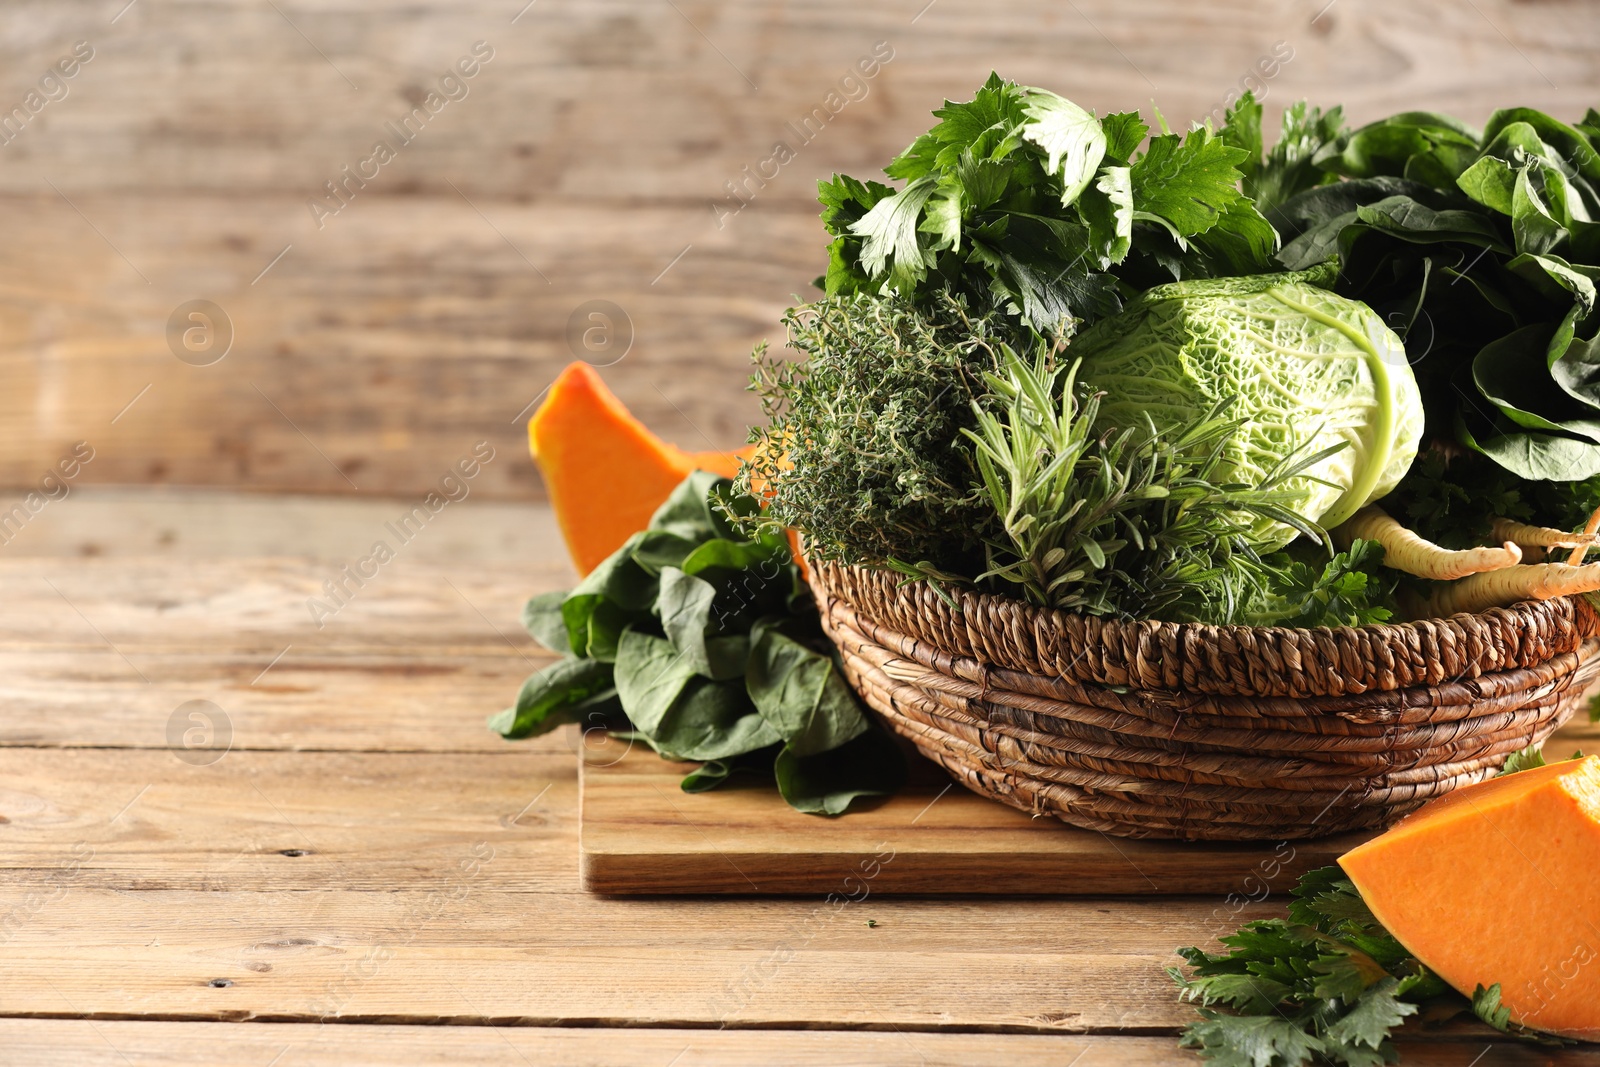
x=581 y=162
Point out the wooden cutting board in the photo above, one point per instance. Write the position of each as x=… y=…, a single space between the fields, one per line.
x=641 y=834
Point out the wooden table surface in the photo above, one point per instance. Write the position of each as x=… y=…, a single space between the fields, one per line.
x=364 y=861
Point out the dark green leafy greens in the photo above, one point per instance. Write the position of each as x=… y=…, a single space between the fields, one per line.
x=1289 y=167
x=1482 y=248
x=1021 y=200
x=705 y=645
x=1022 y=219
x=1326 y=985
x=1350 y=589
x=917 y=439
x=1450 y=496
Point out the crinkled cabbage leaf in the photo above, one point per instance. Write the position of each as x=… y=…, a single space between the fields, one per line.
x=1310 y=370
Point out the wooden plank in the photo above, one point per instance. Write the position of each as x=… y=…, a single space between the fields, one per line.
x=640 y=834
x=433 y=887
x=591 y=152
x=149 y=520
x=307 y=699
x=49 y=1042
x=132 y=608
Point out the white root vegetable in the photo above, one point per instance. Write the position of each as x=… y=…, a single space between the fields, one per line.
x=1502 y=588
x=1406 y=551
x=1589 y=528
x=1537 y=536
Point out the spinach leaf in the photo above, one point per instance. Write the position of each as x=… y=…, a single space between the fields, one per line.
x=542 y=618
x=1506 y=362
x=703 y=639
x=871 y=765
x=801 y=694
x=687 y=605
x=557 y=694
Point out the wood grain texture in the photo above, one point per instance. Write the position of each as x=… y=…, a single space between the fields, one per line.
x=186 y=523
x=258 y=606
x=583 y=164
x=641 y=835
x=48 y=1042
x=360 y=856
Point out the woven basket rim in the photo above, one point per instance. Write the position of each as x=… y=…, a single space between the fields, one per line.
x=989 y=630
x=978 y=598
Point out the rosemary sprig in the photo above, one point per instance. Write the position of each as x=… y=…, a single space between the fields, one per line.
x=1122 y=522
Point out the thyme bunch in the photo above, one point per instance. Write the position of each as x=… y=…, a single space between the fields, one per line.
x=863 y=450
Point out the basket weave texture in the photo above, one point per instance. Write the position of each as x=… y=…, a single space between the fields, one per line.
x=1182 y=730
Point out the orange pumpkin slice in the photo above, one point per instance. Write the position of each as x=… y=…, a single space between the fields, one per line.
x=606 y=473
x=1497 y=882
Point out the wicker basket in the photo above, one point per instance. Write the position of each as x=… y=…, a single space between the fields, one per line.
x=1151 y=729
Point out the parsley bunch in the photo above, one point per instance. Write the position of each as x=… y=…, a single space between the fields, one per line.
x=1326 y=985
x=1021 y=200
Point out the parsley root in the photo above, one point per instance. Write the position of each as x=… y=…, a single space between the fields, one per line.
x=1589 y=528
x=1409 y=552
x=1502 y=588
x=1536 y=536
